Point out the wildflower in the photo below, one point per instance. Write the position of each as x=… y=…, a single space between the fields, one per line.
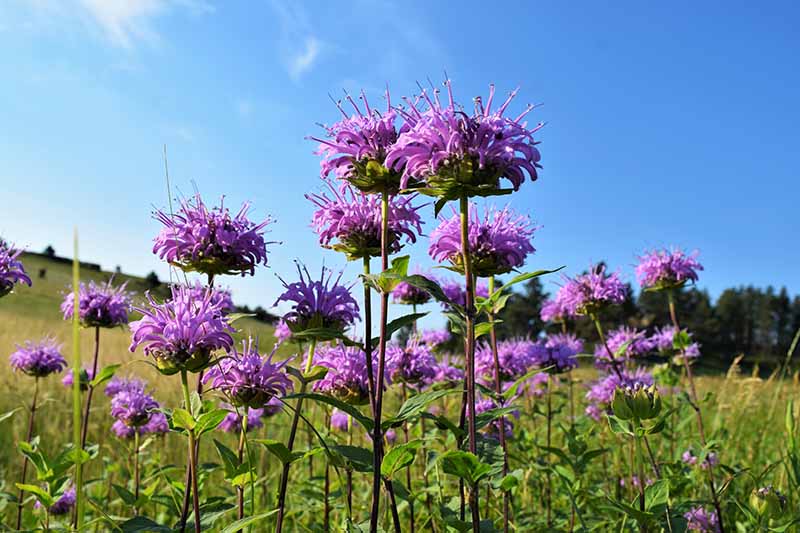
x=220 y=298
x=156 y=425
x=456 y=154
x=354 y=149
x=625 y=344
x=282 y=332
x=557 y=353
x=350 y=222
x=667 y=269
x=86 y=375
x=553 y=310
x=318 y=304
x=689 y=458
x=248 y=379
x=391 y=436
x=116 y=385
x=347 y=378
x=211 y=241
x=537 y=384
x=698 y=519
x=588 y=293
x=100 y=305
x=38 y=359
x=495 y=426
x=516 y=357
x=601 y=392
x=447 y=374
x=456 y=292
x=413 y=363
x=63 y=504
x=133 y=407
x=340 y=420
x=435 y=337
x=181 y=333
x=11 y=269
x=636 y=402
x=498 y=243
x=664 y=340
x=232 y=423
x=405 y=293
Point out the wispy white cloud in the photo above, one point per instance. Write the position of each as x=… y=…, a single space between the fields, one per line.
x=300 y=47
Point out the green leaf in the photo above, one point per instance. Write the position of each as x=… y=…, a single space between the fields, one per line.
x=196 y=403
x=37 y=459
x=246 y=521
x=415 y=405
x=523 y=277
x=9 y=414
x=209 y=421
x=75 y=456
x=42 y=495
x=229 y=459
x=181 y=418
x=618 y=426
x=142 y=524
x=233 y=317
x=398 y=323
x=279 y=450
x=359 y=459
x=431 y=287
x=315 y=374
x=487 y=417
x=386 y=281
x=464 y=465
x=124 y=494
x=106 y=373
x=484 y=328
x=399 y=457
x=438 y=206
x=656 y=494
x=342 y=406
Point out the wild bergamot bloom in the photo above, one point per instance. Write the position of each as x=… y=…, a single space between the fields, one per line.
x=498 y=243
x=408 y=294
x=456 y=154
x=413 y=363
x=347 y=377
x=587 y=294
x=667 y=269
x=456 y=292
x=100 y=305
x=625 y=343
x=349 y=221
x=322 y=303
x=248 y=379
x=133 y=407
x=354 y=148
x=515 y=358
x=211 y=241
x=11 y=269
x=232 y=423
x=181 y=333
x=38 y=359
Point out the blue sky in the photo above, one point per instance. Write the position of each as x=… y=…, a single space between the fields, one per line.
x=668 y=123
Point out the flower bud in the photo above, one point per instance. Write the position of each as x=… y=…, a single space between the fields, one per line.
x=646 y=403
x=620 y=405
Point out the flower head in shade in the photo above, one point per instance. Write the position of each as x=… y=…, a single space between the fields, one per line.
x=340 y=420
x=457 y=154
x=625 y=343
x=282 y=332
x=700 y=520
x=448 y=374
x=390 y=436
x=232 y=423
x=347 y=378
x=354 y=149
x=556 y=354
x=456 y=292
x=602 y=390
x=515 y=358
x=100 y=305
x=405 y=293
x=221 y=298
x=435 y=337
x=588 y=293
x=322 y=303
x=63 y=504
x=182 y=332
x=413 y=363
x=211 y=241
x=349 y=221
x=86 y=375
x=116 y=385
x=133 y=407
x=11 y=269
x=495 y=426
x=554 y=310
x=38 y=359
x=156 y=425
x=248 y=379
x=498 y=243
x=537 y=384
x=667 y=269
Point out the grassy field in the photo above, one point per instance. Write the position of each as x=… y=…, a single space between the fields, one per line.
x=745 y=418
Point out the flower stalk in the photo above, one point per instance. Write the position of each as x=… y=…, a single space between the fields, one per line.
x=191 y=452
x=25 y=458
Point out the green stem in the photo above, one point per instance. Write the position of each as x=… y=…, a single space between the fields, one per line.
x=135 y=466
x=25 y=458
x=76 y=382
x=191 y=451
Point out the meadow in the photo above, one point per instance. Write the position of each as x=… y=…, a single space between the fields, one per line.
x=335 y=418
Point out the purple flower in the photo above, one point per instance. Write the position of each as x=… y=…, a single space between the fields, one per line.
x=63 y=504
x=435 y=337
x=86 y=375
x=557 y=354
x=698 y=519
x=495 y=426
x=456 y=292
x=248 y=379
x=133 y=407
x=689 y=458
x=553 y=310
x=405 y=293
x=116 y=385
x=390 y=436
x=350 y=221
x=588 y=293
x=211 y=241
x=232 y=423
x=565 y=340
x=625 y=343
x=11 y=269
x=602 y=390
x=455 y=153
x=221 y=298
x=347 y=378
x=537 y=384
x=666 y=269
x=100 y=305
x=447 y=373
x=318 y=304
x=340 y=420
x=355 y=147
x=664 y=340
x=282 y=332
x=182 y=332
x=498 y=243
x=156 y=425
x=413 y=363
x=38 y=359
x=516 y=357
